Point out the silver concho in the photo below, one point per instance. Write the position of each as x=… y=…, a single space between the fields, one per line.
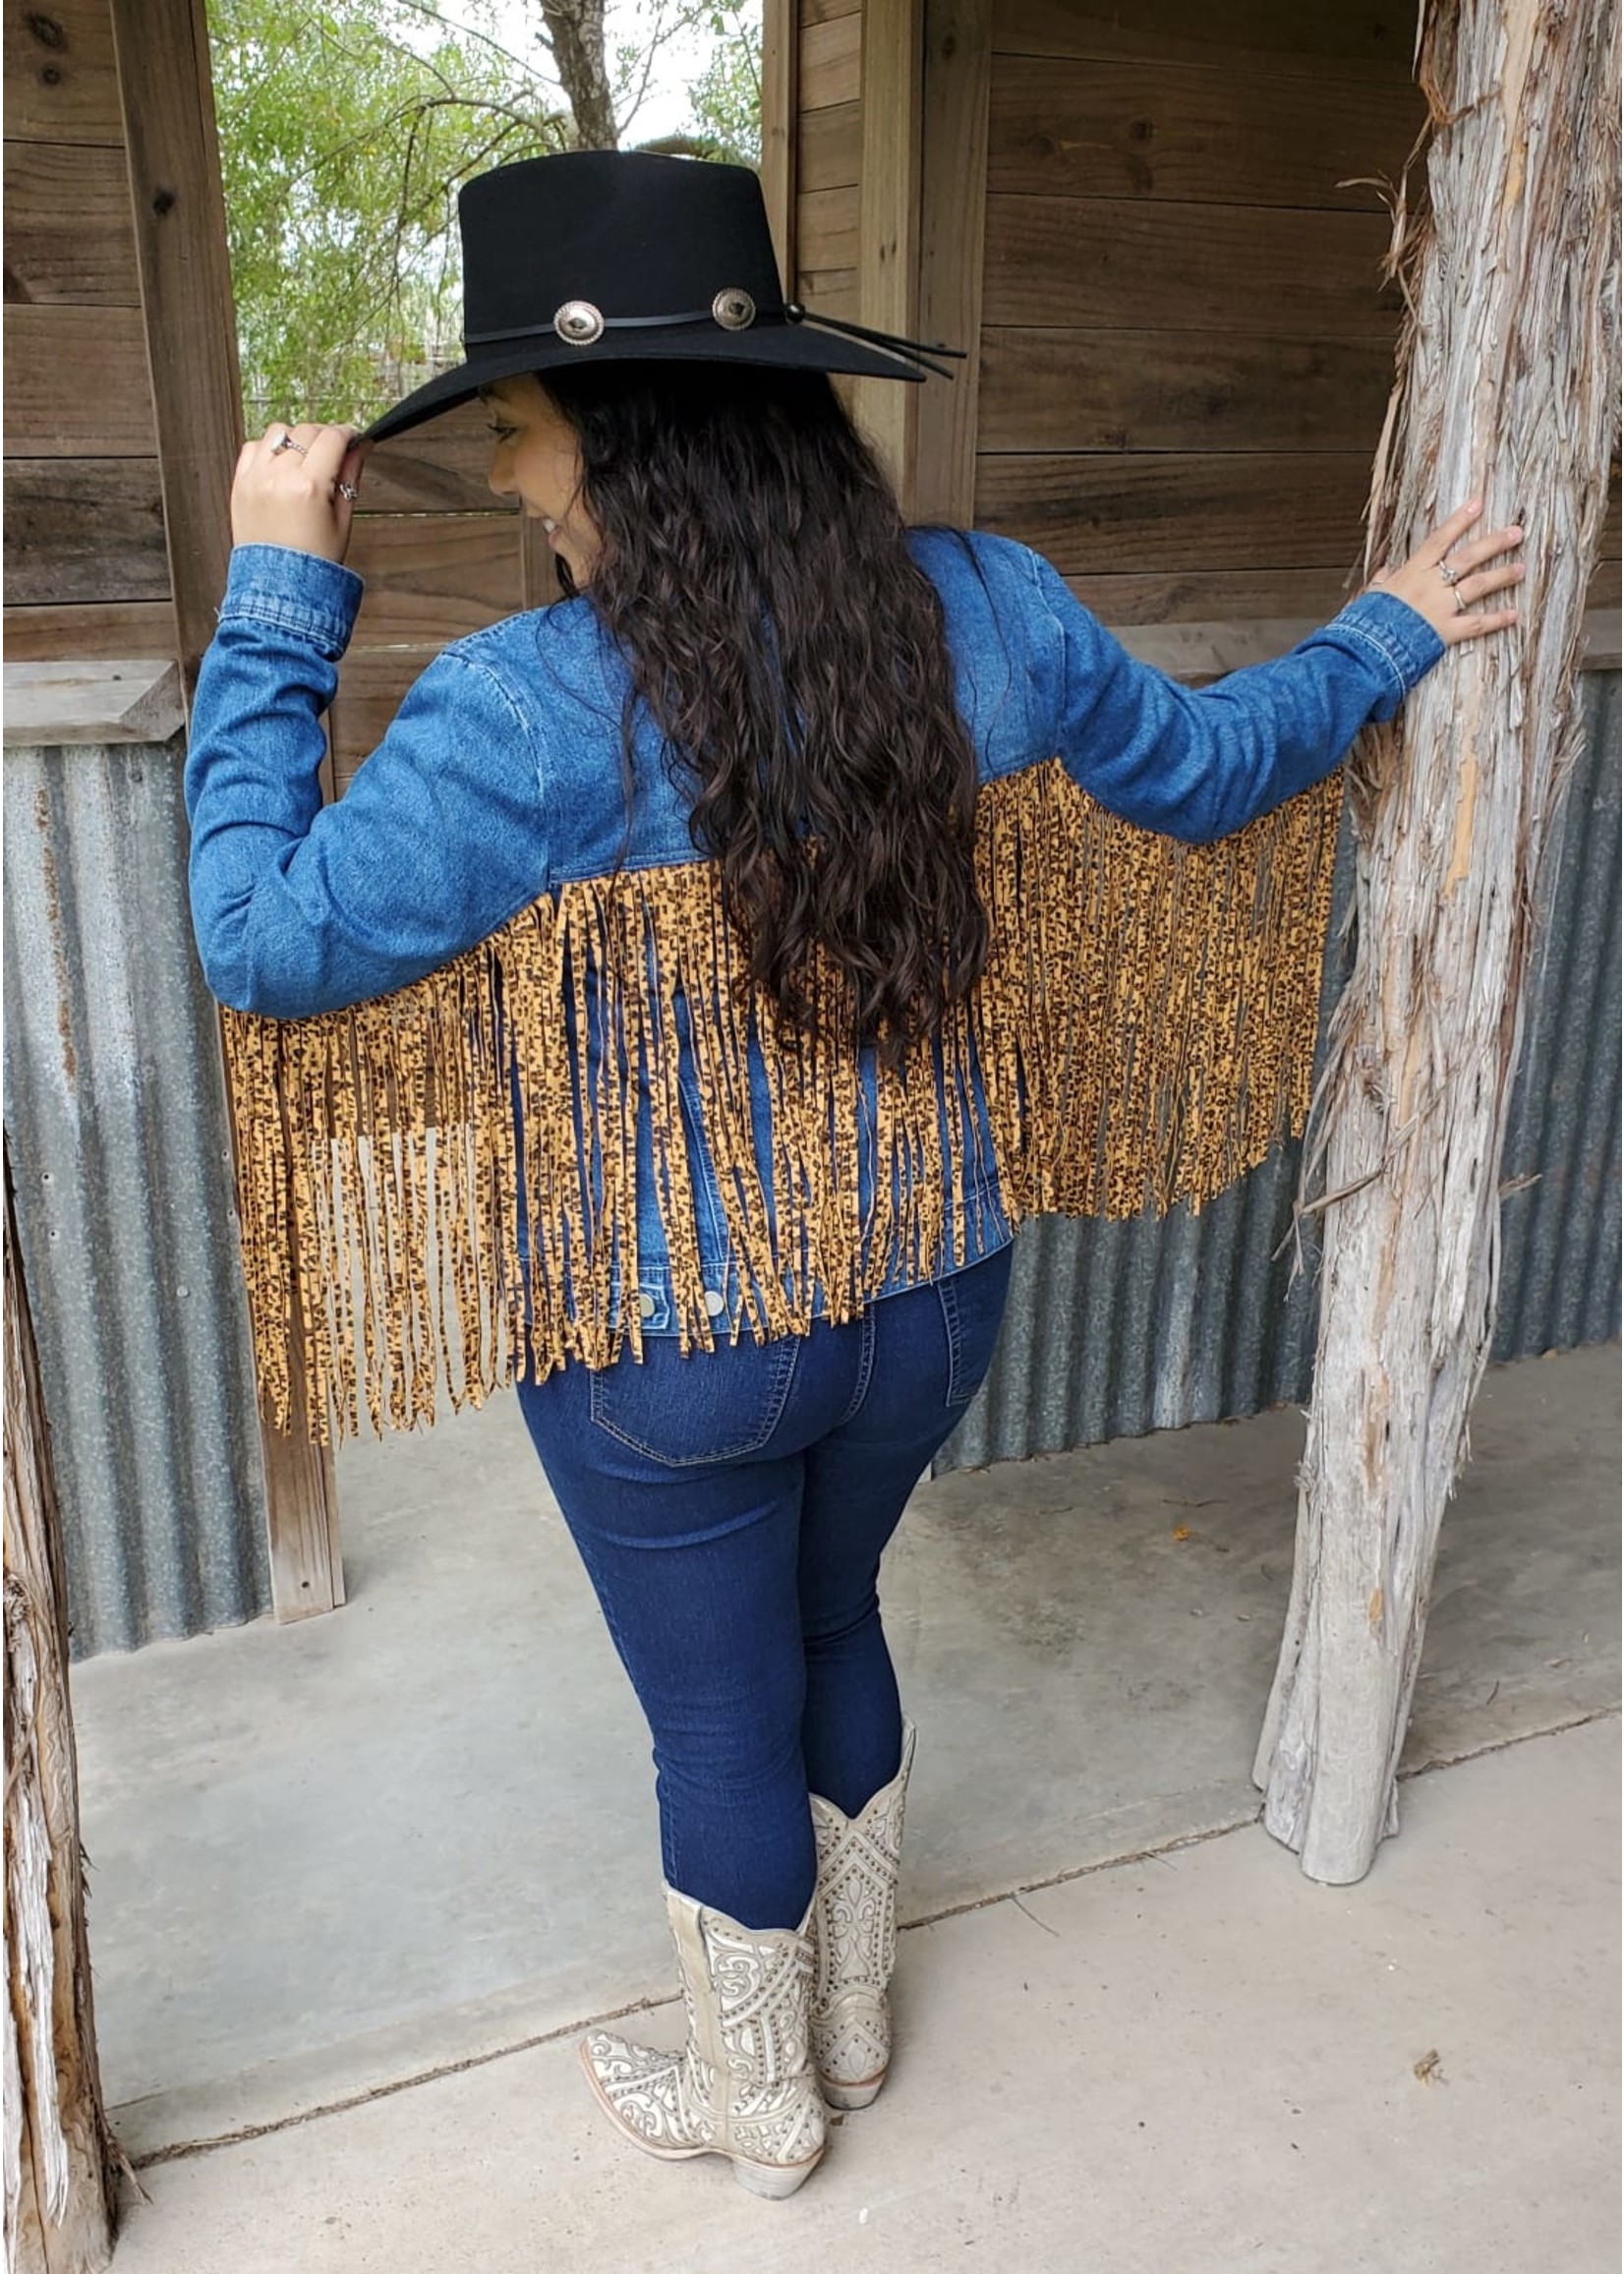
x=578 y=323
x=734 y=308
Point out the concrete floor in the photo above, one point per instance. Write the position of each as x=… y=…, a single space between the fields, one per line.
x=330 y=1858
x=1196 y=2063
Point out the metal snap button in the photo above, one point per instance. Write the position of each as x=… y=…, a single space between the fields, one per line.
x=715 y=1304
x=579 y=322
x=644 y=1306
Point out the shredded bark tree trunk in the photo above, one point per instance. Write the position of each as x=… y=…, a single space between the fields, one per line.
x=60 y=2155
x=1505 y=238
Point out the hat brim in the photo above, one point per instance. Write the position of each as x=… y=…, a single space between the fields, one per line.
x=774 y=348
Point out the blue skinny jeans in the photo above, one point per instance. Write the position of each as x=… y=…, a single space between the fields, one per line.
x=731 y=1508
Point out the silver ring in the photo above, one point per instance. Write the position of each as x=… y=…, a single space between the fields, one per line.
x=348 y=490
x=287 y=442
x=1449 y=575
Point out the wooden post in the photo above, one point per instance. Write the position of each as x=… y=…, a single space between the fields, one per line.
x=60 y=2156
x=1506 y=388
x=952 y=220
x=781 y=39
x=887 y=221
x=166 y=90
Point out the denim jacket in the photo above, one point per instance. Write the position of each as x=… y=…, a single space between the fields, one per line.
x=499 y=782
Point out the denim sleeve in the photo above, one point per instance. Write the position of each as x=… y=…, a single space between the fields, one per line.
x=298 y=907
x=1199 y=763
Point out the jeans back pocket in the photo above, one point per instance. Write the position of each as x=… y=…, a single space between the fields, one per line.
x=682 y=1413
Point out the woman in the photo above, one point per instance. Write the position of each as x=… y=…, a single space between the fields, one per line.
x=768 y=1175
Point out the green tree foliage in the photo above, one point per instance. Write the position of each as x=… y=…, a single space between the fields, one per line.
x=727 y=96
x=345 y=129
x=344 y=134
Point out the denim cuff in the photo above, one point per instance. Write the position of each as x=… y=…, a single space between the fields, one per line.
x=1398 y=633
x=298 y=592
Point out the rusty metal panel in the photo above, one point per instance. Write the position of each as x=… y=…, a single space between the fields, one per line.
x=116 y=1119
x=1116 y=1329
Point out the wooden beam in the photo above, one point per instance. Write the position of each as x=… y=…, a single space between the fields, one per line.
x=890 y=90
x=138 y=701
x=780 y=126
x=958 y=59
x=167 y=99
x=166 y=91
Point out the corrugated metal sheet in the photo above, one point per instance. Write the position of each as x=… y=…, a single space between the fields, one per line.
x=1114 y=1329
x=115 y=1116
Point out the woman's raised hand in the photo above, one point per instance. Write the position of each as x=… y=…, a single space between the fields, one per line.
x=298 y=492
x=1480 y=568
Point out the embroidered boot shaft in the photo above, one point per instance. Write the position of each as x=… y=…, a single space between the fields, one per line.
x=855 y=1933
x=742 y=2085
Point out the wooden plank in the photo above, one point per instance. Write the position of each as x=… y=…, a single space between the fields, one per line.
x=1091 y=514
x=830 y=291
x=1111 y=263
x=442 y=467
x=68 y=232
x=888 y=235
x=1239 y=38
x=162 y=48
x=824 y=11
x=1607 y=589
x=107 y=414
x=1180 y=390
x=93 y=631
x=61 y=80
x=137 y=700
x=828 y=147
x=84 y=529
x=825 y=228
x=830 y=62
x=1215 y=595
x=779 y=124
x=953 y=205
x=1060 y=128
x=432 y=576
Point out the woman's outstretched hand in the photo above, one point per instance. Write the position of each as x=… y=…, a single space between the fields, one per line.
x=1448 y=606
x=299 y=492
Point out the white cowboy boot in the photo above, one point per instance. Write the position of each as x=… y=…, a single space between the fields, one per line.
x=743 y=2085
x=855 y=1935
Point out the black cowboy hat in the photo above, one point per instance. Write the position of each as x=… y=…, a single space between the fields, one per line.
x=623 y=256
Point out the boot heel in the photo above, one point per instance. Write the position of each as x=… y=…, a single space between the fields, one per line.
x=775 y=2181
x=850 y=2096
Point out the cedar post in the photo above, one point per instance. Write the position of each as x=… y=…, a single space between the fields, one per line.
x=1505 y=388
x=60 y=2155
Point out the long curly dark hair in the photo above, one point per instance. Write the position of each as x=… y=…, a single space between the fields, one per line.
x=755 y=571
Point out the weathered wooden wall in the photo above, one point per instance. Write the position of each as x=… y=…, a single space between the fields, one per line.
x=441 y=555
x=828 y=139
x=1186 y=345
x=86 y=567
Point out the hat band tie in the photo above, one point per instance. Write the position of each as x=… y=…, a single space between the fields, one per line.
x=791 y=311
